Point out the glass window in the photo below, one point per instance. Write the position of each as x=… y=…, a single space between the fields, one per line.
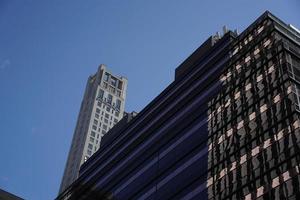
x=100 y=94
x=104 y=127
x=118 y=104
x=106 y=76
x=93 y=133
x=92 y=139
x=109 y=98
x=113 y=81
x=120 y=83
x=90 y=146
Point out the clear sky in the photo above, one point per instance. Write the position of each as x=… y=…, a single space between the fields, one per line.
x=49 y=48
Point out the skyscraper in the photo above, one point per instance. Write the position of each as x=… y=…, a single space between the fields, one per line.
x=227 y=127
x=101 y=108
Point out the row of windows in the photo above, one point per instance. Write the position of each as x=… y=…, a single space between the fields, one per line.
x=108 y=109
x=244 y=108
x=109 y=100
x=253 y=80
x=106 y=118
x=237 y=95
x=234 y=72
x=256 y=150
x=244 y=140
x=113 y=80
x=284 y=177
x=261 y=169
x=247 y=39
x=263 y=108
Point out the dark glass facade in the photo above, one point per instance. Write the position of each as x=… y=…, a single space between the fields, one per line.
x=226 y=128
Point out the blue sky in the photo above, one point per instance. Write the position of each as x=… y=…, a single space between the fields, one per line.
x=49 y=48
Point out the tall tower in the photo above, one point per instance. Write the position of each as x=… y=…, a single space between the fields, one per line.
x=101 y=108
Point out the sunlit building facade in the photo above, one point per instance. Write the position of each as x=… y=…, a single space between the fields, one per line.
x=102 y=107
x=227 y=127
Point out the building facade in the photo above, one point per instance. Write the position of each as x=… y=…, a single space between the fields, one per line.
x=101 y=108
x=228 y=127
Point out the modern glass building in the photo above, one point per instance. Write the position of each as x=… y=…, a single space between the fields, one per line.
x=226 y=128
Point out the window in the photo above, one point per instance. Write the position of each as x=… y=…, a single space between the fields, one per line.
x=276 y=98
x=233 y=166
x=108 y=109
x=247 y=59
x=248 y=87
x=118 y=93
x=103 y=132
x=260 y=191
x=97 y=110
x=120 y=83
x=106 y=115
x=263 y=108
x=94 y=127
x=117 y=114
x=104 y=127
x=109 y=98
x=106 y=76
x=92 y=139
x=97 y=116
x=229 y=132
x=113 y=81
x=95 y=122
x=115 y=120
x=100 y=94
x=271 y=69
x=118 y=104
x=255 y=151
x=90 y=146
x=89 y=152
x=243 y=159
x=260 y=29
x=240 y=124
x=259 y=78
x=252 y=116
x=93 y=133
x=266 y=43
x=275 y=182
x=256 y=51
x=237 y=95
